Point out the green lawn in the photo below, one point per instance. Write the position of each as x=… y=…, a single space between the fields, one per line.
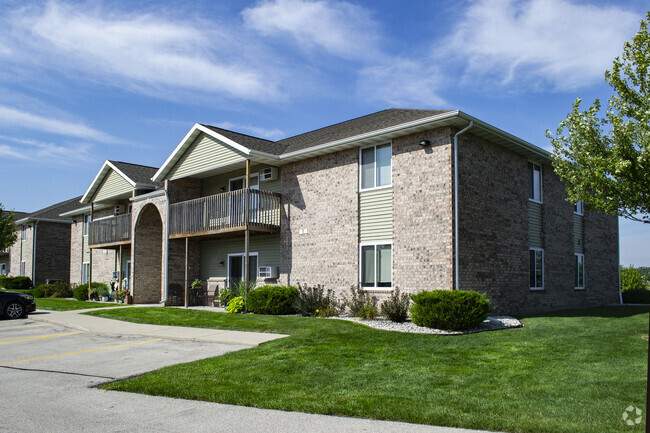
x=573 y=371
x=58 y=304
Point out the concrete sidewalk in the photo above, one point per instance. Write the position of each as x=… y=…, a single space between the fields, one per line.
x=99 y=325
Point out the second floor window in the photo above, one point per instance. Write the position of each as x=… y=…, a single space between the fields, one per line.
x=23 y=232
x=375 y=165
x=86 y=221
x=534 y=182
x=578 y=208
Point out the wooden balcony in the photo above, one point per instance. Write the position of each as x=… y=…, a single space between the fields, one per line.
x=109 y=232
x=226 y=212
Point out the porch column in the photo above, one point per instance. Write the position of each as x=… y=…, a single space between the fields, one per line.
x=119 y=271
x=246 y=231
x=187 y=293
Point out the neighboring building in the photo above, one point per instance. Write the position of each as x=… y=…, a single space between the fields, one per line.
x=101 y=232
x=42 y=251
x=372 y=201
x=5 y=254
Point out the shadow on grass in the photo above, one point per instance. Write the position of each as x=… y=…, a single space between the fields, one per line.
x=610 y=311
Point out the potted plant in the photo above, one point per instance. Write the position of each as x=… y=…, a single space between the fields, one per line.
x=103 y=293
x=197 y=284
x=225 y=296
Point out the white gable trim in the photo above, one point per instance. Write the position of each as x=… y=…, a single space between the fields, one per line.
x=187 y=142
x=92 y=189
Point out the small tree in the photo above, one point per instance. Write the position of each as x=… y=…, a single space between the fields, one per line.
x=605 y=162
x=8 y=233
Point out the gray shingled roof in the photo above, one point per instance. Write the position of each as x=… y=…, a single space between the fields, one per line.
x=137 y=173
x=53 y=212
x=360 y=125
x=349 y=128
x=250 y=142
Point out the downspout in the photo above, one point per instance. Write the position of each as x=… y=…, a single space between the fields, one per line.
x=456 y=255
x=166 y=253
x=34 y=254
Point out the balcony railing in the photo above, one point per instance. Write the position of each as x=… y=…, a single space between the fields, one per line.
x=226 y=212
x=114 y=230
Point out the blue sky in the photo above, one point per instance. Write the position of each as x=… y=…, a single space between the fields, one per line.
x=82 y=82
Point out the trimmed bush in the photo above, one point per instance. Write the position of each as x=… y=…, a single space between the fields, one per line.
x=274 y=300
x=80 y=293
x=636 y=296
x=54 y=290
x=396 y=307
x=632 y=278
x=314 y=301
x=452 y=310
x=17 y=283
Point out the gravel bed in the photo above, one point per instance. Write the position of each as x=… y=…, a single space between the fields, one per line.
x=492 y=323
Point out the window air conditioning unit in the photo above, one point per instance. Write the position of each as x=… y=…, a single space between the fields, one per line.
x=268 y=271
x=268 y=173
x=119 y=209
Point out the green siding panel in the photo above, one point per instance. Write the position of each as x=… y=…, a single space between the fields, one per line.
x=535 y=225
x=376 y=215
x=578 y=234
x=212 y=185
x=215 y=251
x=204 y=154
x=113 y=185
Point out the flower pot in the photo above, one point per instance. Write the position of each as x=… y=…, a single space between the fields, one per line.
x=104 y=298
x=128 y=299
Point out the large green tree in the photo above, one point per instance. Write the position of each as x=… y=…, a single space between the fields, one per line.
x=8 y=233
x=605 y=161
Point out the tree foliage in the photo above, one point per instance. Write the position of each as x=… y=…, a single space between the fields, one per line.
x=8 y=233
x=605 y=161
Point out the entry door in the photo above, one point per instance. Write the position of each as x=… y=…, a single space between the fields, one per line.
x=236 y=268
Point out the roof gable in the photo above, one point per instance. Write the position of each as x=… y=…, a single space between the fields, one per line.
x=112 y=180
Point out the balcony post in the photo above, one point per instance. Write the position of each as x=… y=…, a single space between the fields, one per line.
x=90 y=250
x=246 y=231
x=187 y=293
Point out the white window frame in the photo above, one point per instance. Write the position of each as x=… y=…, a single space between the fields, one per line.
x=22 y=268
x=579 y=208
x=375 y=244
x=390 y=184
x=86 y=224
x=85 y=275
x=23 y=232
x=541 y=189
x=3 y=269
x=243 y=265
x=582 y=256
x=542 y=251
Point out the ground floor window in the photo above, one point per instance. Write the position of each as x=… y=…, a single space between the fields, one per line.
x=580 y=271
x=22 y=269
x=536 y=269
x=376 y=263
x=3 y=269
x=85 y=272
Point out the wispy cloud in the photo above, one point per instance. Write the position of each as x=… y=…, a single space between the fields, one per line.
x=269 y=134
x=142 y=52
x=340 y=28
x=540 y=42
x=15 y=118
x=43 y=152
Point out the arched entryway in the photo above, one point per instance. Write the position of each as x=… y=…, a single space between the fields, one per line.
x=148 y=256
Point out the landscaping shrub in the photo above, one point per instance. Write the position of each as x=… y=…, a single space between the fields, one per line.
x=236 y=305
x=17 y=283
x=81 y=291
x=272 y=300
x=225 y=295
x=314 y=301
x=396 y=307
x=636 y=296
x=632 y=278
x=452 y=310
x=361 y=304
x=55 y=290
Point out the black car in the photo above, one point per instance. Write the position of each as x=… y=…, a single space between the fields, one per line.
x=14 y=305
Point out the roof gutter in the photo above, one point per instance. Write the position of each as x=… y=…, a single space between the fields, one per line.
x=46 y=220
x=164 y=300
x=456 y=255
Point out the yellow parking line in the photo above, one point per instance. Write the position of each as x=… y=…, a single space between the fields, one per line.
x=81 y=351
x=35 y=337
x=25 y=326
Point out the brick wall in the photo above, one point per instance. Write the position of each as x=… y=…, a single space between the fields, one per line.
x=77 y=244
x=22 y=250
x=52 y=252
x=147 y=259
x=422 y=212
x=320 y=195
x=494 y=247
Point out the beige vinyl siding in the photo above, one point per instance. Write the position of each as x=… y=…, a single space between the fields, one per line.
x=215 y=251
x=212 y=185
x=578 y=234
x=376 y=215
x=535 y=225
x=113 y=185
x=204 y=154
